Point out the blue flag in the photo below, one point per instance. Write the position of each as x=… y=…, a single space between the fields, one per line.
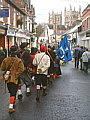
x=64 y=50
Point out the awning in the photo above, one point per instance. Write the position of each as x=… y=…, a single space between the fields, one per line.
x=73 y=30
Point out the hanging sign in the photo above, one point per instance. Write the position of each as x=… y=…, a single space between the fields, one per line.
x=4 y=12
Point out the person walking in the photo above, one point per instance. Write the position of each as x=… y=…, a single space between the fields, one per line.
x=76 y=56
x=51 y=69
x=2 y=55
x=25 y=57
x=16 y=68
x=32 y=68
x=82 y=50
x=57 y=68
x=42 y=61
x=86 y=60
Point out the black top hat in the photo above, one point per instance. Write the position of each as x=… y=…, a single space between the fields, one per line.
x=23 y=45
x=13 y=48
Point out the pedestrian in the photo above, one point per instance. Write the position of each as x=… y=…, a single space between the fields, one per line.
x=86 y=60
x=5 y=50
x=32 y=68
x=76 y=56
x=34 y=51
x=57 y=68
x=25 y=57
x=2 y=55
x=16 y=68
x=42 y=61
x=82 y=50
x=51 y=70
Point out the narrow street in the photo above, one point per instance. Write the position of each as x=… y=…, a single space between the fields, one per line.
x=68 y=99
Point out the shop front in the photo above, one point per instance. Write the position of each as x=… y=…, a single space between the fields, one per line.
x=2 y=36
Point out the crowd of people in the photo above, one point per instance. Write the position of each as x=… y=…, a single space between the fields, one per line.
x=81 y=56
x=30 y=67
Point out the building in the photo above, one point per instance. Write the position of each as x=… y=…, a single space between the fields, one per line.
x=18 y=24
x=56 y=27
x=55 y=19
x=84 y=30
x=72 y=17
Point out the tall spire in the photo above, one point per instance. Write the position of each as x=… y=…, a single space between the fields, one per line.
x=70 y=7
x=80 y=8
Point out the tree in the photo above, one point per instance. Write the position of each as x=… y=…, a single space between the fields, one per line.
x=39 y=30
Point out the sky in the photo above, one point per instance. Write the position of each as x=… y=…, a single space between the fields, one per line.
x=44 y=7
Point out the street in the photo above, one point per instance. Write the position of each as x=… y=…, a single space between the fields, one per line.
x=68 y=98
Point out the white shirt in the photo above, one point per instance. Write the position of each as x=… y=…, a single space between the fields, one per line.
x=85 y=56
x=42 y=61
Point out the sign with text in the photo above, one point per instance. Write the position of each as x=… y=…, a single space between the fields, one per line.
x=4 y=12
x=10 y=33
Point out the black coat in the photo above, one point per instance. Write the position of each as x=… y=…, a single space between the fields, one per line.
x=25 y=56
x=53 y=55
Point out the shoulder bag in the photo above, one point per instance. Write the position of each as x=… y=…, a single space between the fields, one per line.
x=6 y=73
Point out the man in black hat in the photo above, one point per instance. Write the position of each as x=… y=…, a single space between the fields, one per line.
x=25 y=56
x=13 y=67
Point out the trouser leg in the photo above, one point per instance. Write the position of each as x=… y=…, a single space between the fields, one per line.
x=77 y=62
x=38 y=92
x=19 y=92
x=44 y=91
x=12 y=90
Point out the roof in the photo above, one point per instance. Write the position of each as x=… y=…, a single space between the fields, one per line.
x=61 y=27
x=73 y=30
x=50 y=26
x=59 y=34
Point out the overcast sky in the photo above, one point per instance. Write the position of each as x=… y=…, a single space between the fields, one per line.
x=43 y=7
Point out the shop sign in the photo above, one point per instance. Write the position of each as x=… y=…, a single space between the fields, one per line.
x=4 y=12
x=2 y=31
x=10 y=33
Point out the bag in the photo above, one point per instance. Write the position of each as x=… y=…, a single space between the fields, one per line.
x=25 y=77
x=6 y=75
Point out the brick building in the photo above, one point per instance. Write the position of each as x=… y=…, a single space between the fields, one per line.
x=84 y=30
x=17 y=27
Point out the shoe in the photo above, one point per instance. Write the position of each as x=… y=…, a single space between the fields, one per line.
x=11 y=110
x=20 y=96
x=37 y=99
x=28 y=93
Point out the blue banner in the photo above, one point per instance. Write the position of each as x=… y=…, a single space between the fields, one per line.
x=4 y=12
x=63 y=50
